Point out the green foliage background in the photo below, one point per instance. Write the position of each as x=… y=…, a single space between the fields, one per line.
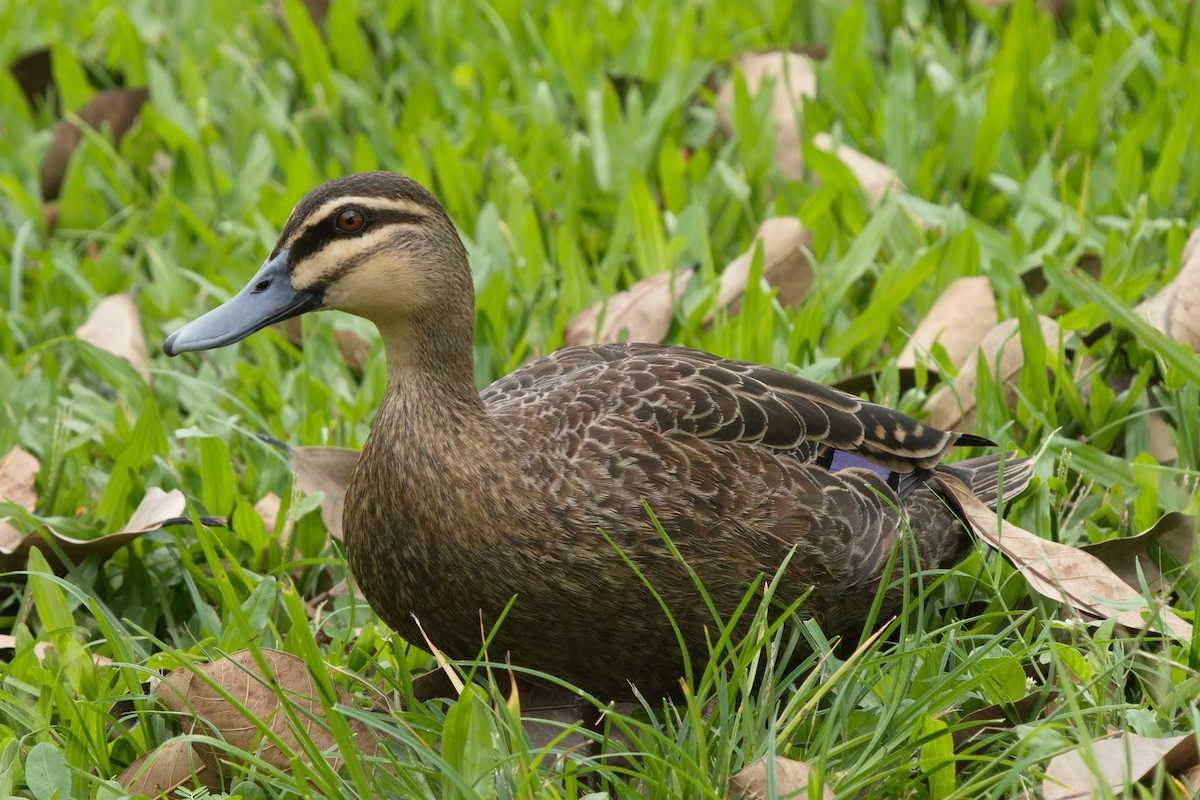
x=575 y=145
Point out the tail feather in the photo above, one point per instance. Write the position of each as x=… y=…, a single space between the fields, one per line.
x=993 y=478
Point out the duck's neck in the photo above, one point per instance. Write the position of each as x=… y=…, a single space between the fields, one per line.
x=433 y=453
x=430 y=362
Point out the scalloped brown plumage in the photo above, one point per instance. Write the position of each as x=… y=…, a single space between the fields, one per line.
x=466 y=508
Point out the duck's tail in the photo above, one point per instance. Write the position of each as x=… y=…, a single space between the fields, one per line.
x=993 y=478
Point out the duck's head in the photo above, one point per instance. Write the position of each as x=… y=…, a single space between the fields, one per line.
x=376 y=244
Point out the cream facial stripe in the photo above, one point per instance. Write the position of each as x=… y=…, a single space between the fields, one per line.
x=367 y=204
x=324 y=266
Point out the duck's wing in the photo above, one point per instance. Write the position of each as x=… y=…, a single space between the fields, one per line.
x=672 y=389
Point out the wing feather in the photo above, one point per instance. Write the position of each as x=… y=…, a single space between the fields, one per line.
x=675 y=390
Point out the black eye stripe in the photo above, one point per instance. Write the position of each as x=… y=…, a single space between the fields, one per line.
x=315 y=237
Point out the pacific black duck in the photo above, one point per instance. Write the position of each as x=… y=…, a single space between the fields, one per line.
x=463 y=501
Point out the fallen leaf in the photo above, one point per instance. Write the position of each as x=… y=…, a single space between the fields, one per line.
x=1162 y=433
x=115 y=325
x=42 y=647
x=17 y=472
x=1035 y=282
x=176 y=764
x=157 y=510
x=877 y=179
x=791 y=780
x=239 y=675
x=326 y=470
x=339 y=589
x=952 y=407
x=1173 y=532
x=784 y=264
x=1063 y=573
x=1000 y=716
x=118 y=108
x=1190 y=780
x=641 y=313
x=18 y=469
x=794 y=79
x=1175 y=310
x=551 y=714
x=958 y=320
x=33 y=74
x=1115 y=761
x=268 y=510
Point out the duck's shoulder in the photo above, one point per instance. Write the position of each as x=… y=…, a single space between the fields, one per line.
x=681 y=391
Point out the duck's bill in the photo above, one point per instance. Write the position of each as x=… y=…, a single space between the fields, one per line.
x=268 y=298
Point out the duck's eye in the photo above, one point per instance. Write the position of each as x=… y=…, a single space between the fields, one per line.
x=350 y=220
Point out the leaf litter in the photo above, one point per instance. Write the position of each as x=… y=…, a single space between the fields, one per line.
x=159 y=509
x=116 y=326
x=1115 y=761
x=1063 y=573
x=1175 y=309
x=238 y=699
x=958 y=320
x=794 y=78
x=326 y=470
x=789 y=776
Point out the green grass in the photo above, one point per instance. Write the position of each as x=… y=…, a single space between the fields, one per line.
x=575 y=145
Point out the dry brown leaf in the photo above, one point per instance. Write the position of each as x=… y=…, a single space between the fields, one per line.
x=547 y=711
x=183 y=691
x=1175 y=310
x=1162 y=434
x=1060 y=572
x=18 y=469
x=268 y=510
x=116 y=108
x=952 y=407
x=1173 y=532
x=877 y=179
x=641 y=313
x=326 y=470
x=1115 y=761
x=958 y=320
x=1035 y=282
x=1190 y=780
x=157 y=510
x=1000 y=716
x=354 y=348
x=791 y=780
x=177 y=763
x=794 y=79
x=41 y=648
x=34 y=74
x=115 y=325
x=785 y=266
x=340 y=589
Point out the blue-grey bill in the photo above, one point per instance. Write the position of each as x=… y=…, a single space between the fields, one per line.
x=268 y=298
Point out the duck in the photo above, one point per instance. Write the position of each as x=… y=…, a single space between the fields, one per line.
x=564 y=518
